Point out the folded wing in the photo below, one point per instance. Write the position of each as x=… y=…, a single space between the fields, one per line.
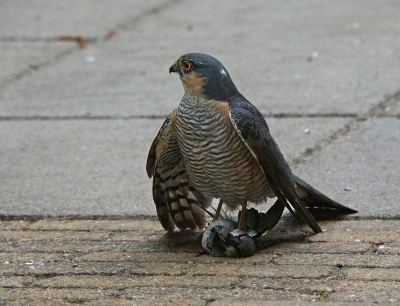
x=177 y=200
x=253 y=129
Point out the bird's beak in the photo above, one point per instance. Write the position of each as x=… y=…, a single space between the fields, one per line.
x=173 y=68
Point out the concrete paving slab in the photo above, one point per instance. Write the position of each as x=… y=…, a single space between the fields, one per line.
x=47 y=18
x=393 y=109
x=74 y=167
x=21 y=58
x=282 y=40
x=97 y=167
x=301 y=58
x=361 y=169
x=29 y=30
x=92 y=83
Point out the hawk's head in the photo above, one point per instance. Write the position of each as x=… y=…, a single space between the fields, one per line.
x=203 y=75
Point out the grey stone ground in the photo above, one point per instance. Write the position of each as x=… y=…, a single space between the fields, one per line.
x=76 y=124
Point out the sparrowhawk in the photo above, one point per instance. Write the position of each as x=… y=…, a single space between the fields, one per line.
x=216 y=144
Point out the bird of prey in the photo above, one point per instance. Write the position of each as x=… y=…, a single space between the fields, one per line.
x=216 y=144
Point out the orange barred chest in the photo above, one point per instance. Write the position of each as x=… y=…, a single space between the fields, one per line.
x=216 y=159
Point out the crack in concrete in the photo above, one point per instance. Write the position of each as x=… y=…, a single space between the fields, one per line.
x=34 y=67
x=15 y=39
x=152 y=11
x=122 y=26
x=376 y=111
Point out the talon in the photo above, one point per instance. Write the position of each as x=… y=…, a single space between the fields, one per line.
x=199 y=238
x=218 y=211
x=242 y=218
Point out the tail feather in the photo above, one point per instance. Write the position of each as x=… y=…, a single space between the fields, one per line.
x=312 y=198
x=162 y=206
x=182 y=199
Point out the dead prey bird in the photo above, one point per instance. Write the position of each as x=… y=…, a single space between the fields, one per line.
x=222 y=238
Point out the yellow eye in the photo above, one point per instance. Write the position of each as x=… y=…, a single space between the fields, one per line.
x=187 y=66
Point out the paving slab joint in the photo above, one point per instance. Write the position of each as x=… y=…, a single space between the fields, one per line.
x=354 y=122
x=151 y=11
x=380 y=110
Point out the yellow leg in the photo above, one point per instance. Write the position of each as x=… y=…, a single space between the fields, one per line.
x=218 y=211
x=242 y=216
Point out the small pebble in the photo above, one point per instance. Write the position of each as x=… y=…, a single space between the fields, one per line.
x=353 y=25
x=347 y=189
x=306 y=131
x=90 y=59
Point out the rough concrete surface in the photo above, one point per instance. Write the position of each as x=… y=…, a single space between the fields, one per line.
x=366 y=159
x=324 y=58
x=133 y=262
x=78 y=221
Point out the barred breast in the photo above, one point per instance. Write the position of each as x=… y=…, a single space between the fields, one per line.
x=216 y=159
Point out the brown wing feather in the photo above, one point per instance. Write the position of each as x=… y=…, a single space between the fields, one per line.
x=177 y=201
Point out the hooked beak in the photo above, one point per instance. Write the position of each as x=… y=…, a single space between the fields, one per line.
x=173 y=68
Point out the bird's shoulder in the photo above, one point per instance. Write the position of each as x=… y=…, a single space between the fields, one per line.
x=243 y=111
